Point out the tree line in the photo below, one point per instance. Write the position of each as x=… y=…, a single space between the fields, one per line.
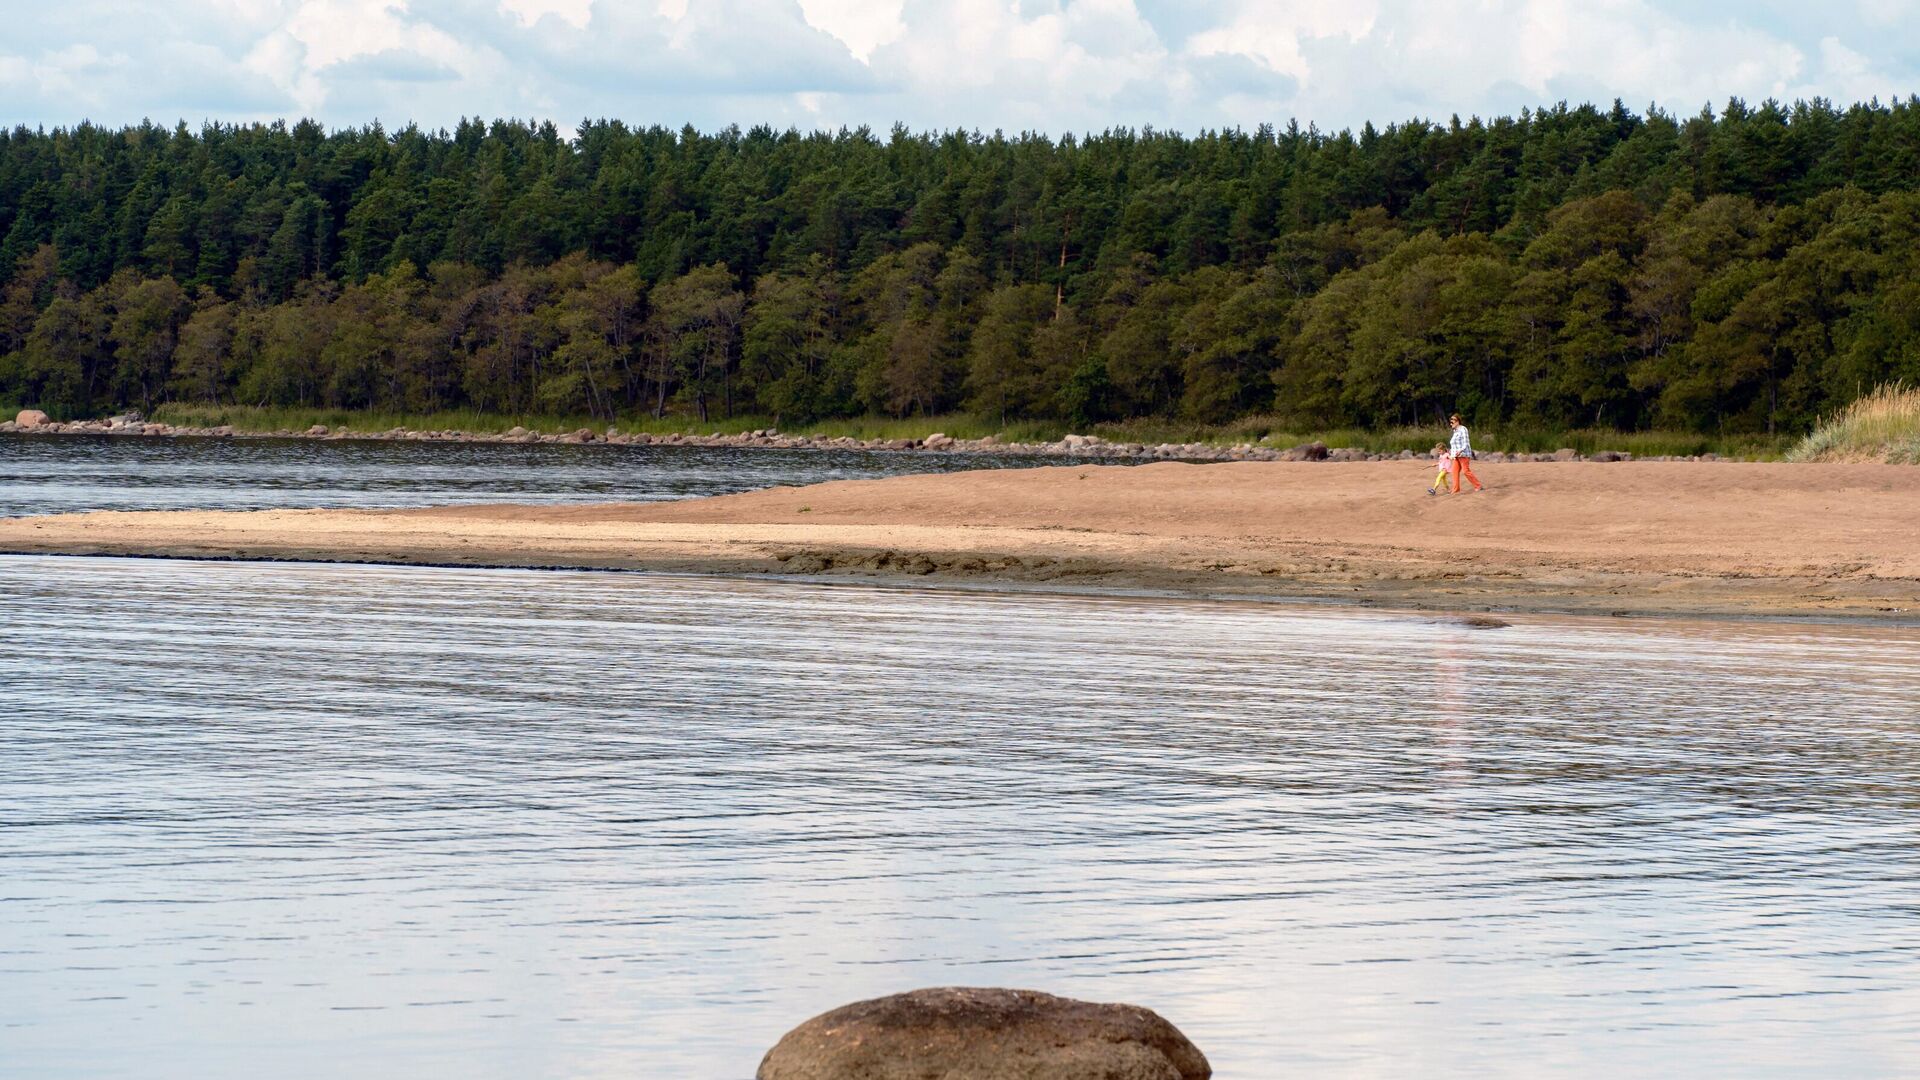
x=1570 y=267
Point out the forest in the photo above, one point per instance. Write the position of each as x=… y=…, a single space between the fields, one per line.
x=1747 y=269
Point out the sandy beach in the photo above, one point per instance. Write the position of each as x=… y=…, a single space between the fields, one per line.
x=1705 y=539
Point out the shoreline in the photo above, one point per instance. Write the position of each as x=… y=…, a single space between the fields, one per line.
x=1708 y=541
x=1070 y=446
x=1472 y=617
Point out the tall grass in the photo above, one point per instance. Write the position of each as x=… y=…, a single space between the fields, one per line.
x=1882 y=426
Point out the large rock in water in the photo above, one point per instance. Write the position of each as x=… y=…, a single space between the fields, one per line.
x=30 y=418
x=961 y=1033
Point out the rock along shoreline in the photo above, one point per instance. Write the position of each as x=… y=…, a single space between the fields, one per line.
x=1080 y=447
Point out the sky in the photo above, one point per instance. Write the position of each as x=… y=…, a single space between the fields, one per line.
x=1053 y=66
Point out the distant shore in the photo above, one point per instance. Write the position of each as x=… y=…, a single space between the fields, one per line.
x=1708 y=539
x=1070 y=446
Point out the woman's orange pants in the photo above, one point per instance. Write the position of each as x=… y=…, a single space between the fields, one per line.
x=1463 y=465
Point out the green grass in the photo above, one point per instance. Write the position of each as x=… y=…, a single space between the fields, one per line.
x=1882 y=426
x=251 y=418
x=1637 y=443
x=1258 y=430
x=248 y=418
x=1421 y=439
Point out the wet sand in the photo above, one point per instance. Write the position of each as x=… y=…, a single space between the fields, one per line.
x=1702 y=539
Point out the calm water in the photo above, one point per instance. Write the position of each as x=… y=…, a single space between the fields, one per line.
x=48 y=475
x=306 y=821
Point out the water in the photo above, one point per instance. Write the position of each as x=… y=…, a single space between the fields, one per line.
x=50 y=475
x=319 y=821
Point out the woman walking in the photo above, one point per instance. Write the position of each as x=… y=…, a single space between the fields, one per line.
x=1462 y=449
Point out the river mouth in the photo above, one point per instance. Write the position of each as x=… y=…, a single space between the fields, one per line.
x=304 y=820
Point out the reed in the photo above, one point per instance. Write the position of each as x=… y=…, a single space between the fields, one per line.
x=1881 y=426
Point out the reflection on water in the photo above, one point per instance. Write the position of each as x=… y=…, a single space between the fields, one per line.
x=51 y=475
x=302 y=821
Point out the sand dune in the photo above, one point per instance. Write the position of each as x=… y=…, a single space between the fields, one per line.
x=1641 y=537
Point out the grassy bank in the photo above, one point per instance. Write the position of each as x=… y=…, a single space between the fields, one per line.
x=1882 y=426
x=1258 y=430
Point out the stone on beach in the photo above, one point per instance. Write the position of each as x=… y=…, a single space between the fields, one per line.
x=963 y=1033
x=30 y=418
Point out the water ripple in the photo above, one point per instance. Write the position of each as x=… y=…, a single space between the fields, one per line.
x=310 y=820
x=68 y=474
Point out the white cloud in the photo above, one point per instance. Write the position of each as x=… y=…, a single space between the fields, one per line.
x=1552 y=49
x=1051 y=65
x=1886 y=12
x=1272 y=33
x=575 y=13
x=862 y=25
x=1059 y=67
x=1851 y=76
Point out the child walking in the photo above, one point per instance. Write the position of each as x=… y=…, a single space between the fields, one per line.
x=1443 y=461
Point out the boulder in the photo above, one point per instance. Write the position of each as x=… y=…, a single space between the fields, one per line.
x=31 y=418
x=1607 y=455
x=1313 y=451
x=962 y=1033
x=516 y=431
x=317 y=429
x=1566 y=453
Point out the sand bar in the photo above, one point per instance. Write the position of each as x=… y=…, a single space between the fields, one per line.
x=1712 y=539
